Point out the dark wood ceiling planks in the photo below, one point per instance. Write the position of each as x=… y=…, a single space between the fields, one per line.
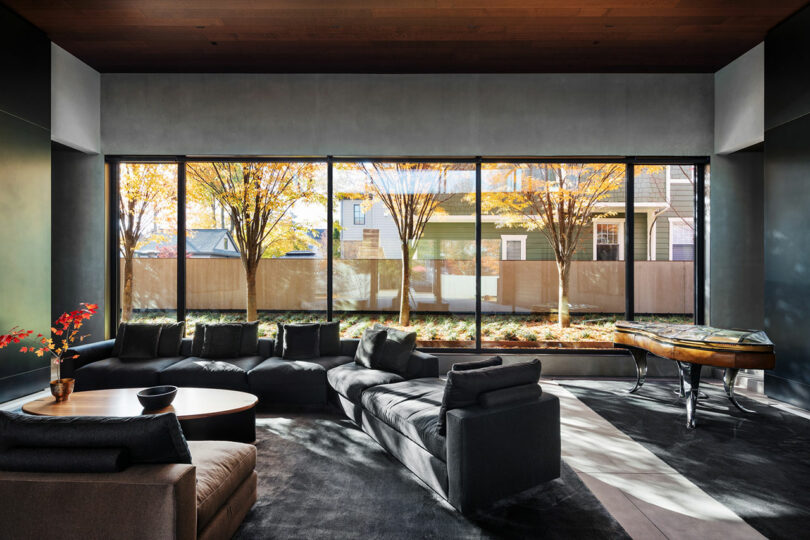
x=413 y=36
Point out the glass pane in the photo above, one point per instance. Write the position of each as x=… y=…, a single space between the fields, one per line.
x=147 y=224
x=420 y=218
x=553 y=205
x=664 y=268
x=255 y=242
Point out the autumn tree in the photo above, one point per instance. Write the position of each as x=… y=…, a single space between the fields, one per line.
x=557 y=199
x=258 y=199
x=146 y=202
x=411 y=193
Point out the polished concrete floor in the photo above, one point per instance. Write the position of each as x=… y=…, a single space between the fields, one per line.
x=647 y=497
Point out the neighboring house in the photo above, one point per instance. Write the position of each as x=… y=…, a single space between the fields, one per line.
x=663 y=228
x=200 y=243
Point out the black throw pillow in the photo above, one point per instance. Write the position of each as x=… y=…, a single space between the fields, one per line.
x=149 y=438
x=397 y=350
x=250 y=339
x=140 y=341
x=197 y=341
x=463 y=387
x=370 y=349
x=171 y=337
x=119 y=339
x=222 y=341
x=330 y=338
x=301 y=341
x=64 y=460
x=278 y=344
x=478 y=364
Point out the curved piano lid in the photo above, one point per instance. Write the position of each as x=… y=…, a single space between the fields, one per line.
x=697 y=334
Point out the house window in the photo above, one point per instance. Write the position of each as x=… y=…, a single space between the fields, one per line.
x=513 y=247
x=608 y=240
x=681 y=239
x=359 y=216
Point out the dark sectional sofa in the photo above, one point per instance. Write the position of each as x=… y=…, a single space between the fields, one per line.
x=488 y=450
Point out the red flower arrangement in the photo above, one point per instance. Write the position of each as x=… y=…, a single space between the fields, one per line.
x=65 y=328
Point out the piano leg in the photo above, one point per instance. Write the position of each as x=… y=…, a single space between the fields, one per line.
x=640 y=357
x=729 y=378
x=690 y=376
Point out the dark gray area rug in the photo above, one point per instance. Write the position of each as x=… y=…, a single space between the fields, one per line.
x=757 y=465
x=321 y=477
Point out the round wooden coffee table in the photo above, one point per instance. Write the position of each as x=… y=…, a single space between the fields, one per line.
x=204 y=413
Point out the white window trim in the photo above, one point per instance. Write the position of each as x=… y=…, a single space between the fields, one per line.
x=654 y=242
x=672 y=220
x=616 y=221
x=671 y=181
x=513 y=237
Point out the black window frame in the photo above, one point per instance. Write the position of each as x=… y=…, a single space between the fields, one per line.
x=699 y=163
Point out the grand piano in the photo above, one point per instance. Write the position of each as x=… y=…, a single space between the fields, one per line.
x=691 y=347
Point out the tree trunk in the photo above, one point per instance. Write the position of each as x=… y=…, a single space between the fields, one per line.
x=126 y=296
x=405 y=291
x=250 y=279
x=564 y=315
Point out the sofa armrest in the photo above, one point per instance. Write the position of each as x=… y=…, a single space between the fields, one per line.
x=494 y=452
x=143 y=501
x=90 y=352
x=348 y=347
x=422 y=365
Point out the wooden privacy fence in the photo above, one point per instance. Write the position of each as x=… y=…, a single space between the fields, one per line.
x=372 y=284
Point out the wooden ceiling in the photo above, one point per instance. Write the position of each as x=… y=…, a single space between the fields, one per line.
x=406 y=36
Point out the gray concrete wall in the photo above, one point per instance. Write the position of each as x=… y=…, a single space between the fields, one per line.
x=739 y=102
x=75 y=102
x=401 y=115
x=736 y=265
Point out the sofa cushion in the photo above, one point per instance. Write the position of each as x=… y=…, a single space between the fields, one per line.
x=301 y=341
x=412 y=408
x=149 y=438
x=278 y=346
x=64 y=460
x=330 y=338
x=171 y=337
x=464 y=387
x=277 y=371
x=228 y=373
x=478 y=364
x=116 y=373
x=331 y=362
x=250 y=339
x=370 y=348
x=397 y=349
x=197 y=341
x=221 y=467
x=350 y=380
x=291 y=382
x=222 y=341
x=140 y=341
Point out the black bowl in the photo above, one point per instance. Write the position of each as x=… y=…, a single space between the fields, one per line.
x=157 y=397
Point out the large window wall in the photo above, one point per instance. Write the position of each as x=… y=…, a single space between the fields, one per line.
x=470 y=254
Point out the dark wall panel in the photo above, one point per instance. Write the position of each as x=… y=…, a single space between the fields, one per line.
x=787 y=200
x=787 y=70
x=737 y=245
x=25 y=234
x=25 y=198
x=25 y=64
x=78 y=234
